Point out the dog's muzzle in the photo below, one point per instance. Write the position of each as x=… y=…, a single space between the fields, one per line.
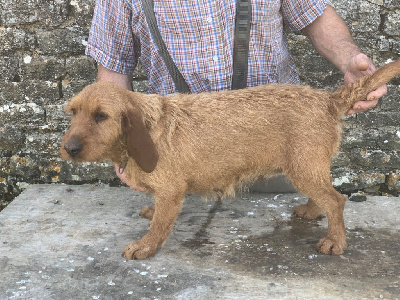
x=73 y=147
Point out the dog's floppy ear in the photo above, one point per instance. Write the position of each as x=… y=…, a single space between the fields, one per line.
x=139 y=143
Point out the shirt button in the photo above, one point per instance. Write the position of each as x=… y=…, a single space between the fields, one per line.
x=209 y=19
x=215 y=58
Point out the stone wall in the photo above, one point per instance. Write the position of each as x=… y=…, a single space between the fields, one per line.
x=43 y=64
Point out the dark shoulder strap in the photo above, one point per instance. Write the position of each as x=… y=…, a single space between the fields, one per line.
x=180 y=83
x=241 y=44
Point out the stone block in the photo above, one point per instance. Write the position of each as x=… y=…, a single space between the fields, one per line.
x=82 y=11
x=387 y=138
x=395 y=44
x=392 y=23
x=43 y=144
x=70 y=40
x=368 y=42
x=9 y=189
x=9 y=68
x=350 y=181
x=20 y=167
x=28 y=114
x=376 y=119
x=12 y=139
x=391 y=4
x=394 y=181
x=390 y=102
x=56 y=116
x=43 y=68
x=13 y=39
x=375 y=158
x=35 y=91
x=47 y=12
x=87 y=172
x=360 y=16
x=81 y=68
x=340 y=159
x=371 y=182
x=383 y=43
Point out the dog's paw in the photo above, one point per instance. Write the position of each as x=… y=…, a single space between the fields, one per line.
x=330 y=246
x=304 y=211
x=147 y=212
x=139 y=250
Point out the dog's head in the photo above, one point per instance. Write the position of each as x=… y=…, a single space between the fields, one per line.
x=105 y=124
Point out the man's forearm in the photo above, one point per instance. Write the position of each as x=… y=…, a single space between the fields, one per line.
x=332 y=39
x=122 y=80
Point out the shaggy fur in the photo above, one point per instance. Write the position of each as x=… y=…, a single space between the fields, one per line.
x=210 y=143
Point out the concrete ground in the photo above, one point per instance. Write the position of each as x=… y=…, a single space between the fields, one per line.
x=65 y=242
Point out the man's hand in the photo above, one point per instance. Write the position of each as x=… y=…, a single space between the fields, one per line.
x=359 y=66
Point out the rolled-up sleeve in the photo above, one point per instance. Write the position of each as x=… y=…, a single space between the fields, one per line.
x=111 y=42
x=298 y=14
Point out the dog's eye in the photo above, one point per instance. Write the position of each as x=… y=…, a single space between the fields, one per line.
x=100 y=117
x=73 y=111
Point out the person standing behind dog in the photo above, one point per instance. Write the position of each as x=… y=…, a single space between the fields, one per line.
x=199 y=38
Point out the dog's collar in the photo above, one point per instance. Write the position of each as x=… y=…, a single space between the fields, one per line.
x=123 y=164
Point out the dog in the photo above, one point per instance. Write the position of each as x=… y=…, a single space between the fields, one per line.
x=212 y=143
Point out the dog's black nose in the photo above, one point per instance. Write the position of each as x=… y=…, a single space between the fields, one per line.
x=73 y=147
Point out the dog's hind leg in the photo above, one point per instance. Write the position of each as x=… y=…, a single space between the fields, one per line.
x=316 y=184
x=335 y=241
x=147 y=212
x=166 y=209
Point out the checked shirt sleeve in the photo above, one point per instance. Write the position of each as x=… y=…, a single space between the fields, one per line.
x=300 y=13
x=111 y=42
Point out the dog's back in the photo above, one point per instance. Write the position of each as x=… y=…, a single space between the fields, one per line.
x=233 y=136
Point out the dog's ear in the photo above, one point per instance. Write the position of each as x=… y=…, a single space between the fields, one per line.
x=139 y=143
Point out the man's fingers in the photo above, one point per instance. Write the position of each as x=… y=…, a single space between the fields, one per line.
x=378 y=93
x=363 y=66
x=362 y=106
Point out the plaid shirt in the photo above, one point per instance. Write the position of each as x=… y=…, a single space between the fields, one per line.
x=199 y=37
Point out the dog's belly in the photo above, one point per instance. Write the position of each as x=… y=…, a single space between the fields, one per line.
x=225 y=184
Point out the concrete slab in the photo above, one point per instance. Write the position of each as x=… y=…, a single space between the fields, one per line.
x=65 y=242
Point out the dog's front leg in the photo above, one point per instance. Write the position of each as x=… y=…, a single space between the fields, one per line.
x=166 y=210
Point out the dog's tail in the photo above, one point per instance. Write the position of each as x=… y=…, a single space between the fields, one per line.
x=345 y=96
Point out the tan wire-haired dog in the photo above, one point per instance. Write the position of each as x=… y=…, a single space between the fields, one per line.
x=210 y=143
